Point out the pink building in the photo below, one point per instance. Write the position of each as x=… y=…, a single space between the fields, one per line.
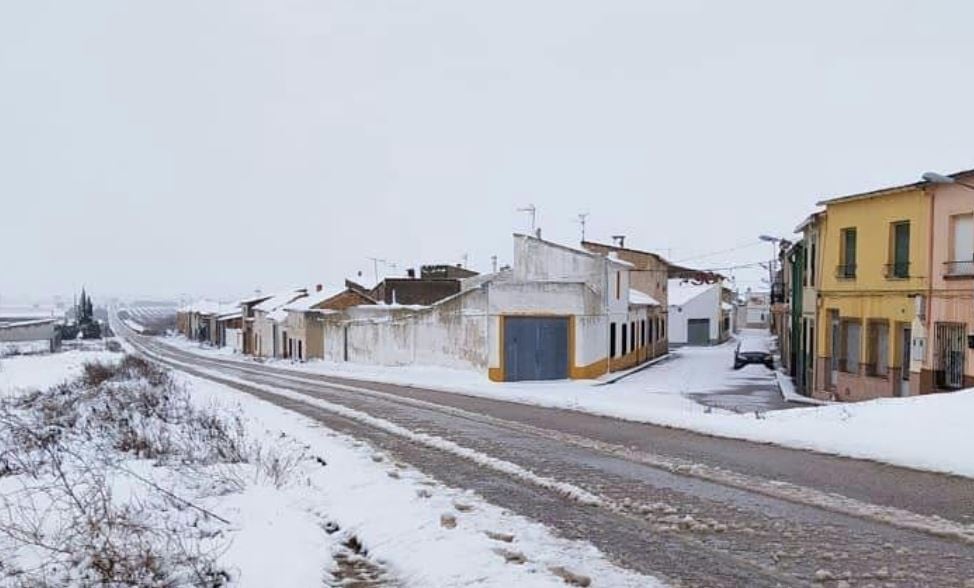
x=948 y=362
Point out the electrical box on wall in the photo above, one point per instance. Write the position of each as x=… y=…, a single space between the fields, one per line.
x=970 y=341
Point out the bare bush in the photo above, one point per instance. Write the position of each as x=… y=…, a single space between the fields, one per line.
x=63 y=450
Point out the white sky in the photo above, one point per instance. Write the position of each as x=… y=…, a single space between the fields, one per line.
x=209 y=148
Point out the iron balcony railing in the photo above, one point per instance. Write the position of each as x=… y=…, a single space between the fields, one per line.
x=846 y=271
x=897 y=270
x=959 y=268
x=778 y=293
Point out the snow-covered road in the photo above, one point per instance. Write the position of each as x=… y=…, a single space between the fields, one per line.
x=700 y=510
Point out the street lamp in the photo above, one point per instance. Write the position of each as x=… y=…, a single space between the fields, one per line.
x=935 y=178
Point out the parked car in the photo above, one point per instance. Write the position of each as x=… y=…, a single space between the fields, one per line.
x=753 y=350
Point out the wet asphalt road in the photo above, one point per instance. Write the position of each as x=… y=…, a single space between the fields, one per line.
x=692 y=509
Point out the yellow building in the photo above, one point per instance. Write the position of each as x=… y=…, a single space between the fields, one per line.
x=874 y=254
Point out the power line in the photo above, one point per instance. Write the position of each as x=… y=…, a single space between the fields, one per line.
x=713 y=253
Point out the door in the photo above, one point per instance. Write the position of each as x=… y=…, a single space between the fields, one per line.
x=698 y=331
x=836 y=350
x=951 y=345
x=905 y=343
x=535 y=348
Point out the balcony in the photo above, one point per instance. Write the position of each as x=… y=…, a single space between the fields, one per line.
x=899 y=270
x=846 y=271
x=959 y=269
x=778 y=293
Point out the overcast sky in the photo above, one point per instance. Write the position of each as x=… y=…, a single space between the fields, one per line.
x=211 y=148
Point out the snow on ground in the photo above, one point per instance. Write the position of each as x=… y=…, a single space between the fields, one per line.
x=19 y=373
x=395 y=510
x=920 y=432
x=296 y=529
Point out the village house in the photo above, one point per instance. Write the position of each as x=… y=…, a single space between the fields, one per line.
x=265 y=324
x=207 y=321
x=302 y=332
x=949 y=357
x=557 y=313
x=649 y=281
x=875 y=277
x=698 y=314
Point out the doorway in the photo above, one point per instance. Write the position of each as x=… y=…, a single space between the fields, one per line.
x=903 y=388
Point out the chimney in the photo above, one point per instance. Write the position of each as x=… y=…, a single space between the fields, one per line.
x=318 y=288
x=620 y=240
x=411 y=273
x=537 y=232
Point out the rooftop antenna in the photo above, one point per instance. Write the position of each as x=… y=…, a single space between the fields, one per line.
x=375 y=267
x=534 y=213
x=582 y=216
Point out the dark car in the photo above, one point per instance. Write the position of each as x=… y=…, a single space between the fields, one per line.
x=753 y=350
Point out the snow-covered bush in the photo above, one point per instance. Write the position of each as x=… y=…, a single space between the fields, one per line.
x=88 y=471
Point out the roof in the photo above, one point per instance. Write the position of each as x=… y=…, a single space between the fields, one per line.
x=277 y=315
x=890 y=190
x=727 y=306
x=210 y=307
x=638 y=298
x=610 y=257
x=679 y=292
x=812 y=218
x=629 y=249
x=278 y=300
x=314 y=299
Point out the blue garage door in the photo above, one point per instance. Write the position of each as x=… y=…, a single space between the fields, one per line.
x=535 y=348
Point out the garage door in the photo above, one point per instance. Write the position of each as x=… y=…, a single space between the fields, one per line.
x=535 y=348
x=698 y=331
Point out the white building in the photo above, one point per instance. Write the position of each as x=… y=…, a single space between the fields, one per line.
x=558 y=313
x=697 y=316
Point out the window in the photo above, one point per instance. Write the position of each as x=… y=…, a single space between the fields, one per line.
x=878 y=341
x=300 y=350
x=632 y=336
x=961 y=262
x=642 y=332
x=848 y=254
x=899 y=266
x=625 y=338
x=612 y=340
x=619 y=286
x=850 y=340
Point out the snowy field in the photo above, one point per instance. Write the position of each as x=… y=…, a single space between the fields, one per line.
x=928 y=432
x=25 y=372
x=299 y=505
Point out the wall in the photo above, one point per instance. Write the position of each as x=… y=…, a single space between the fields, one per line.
x=451 y=334
x=704 y=306
x=27 y=331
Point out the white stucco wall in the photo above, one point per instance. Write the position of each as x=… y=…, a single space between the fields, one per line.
x=704 y=306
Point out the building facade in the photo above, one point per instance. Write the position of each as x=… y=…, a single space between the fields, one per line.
x=949 y=358
x=649 y=277
x=874 y=251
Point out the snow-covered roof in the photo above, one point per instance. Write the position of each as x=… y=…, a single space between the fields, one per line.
x=277 y=315
x=314 y=299
x=727 y=306
x=278 y=300
x=209 y=307
x=638 y=298
x=230 y=316
x=679 y=292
